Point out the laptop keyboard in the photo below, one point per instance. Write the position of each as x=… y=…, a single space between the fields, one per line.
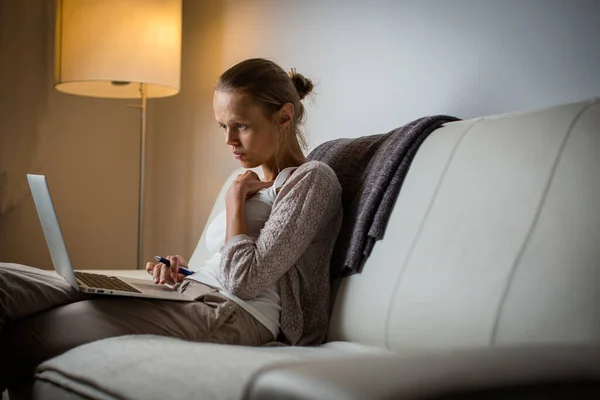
x=97 y=281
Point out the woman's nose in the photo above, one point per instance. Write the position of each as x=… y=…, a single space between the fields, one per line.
x=231 y=137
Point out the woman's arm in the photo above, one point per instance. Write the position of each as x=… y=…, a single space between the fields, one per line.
x=248 y=265
x=236 y=216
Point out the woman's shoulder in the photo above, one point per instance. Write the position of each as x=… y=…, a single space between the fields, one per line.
x=317 y=170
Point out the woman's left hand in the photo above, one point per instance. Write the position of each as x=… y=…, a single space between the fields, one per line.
x=246 y=185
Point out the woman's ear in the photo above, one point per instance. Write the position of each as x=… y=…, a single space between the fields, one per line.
x=285 y=115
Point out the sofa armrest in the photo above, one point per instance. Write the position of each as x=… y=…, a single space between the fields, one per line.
x=465 y=374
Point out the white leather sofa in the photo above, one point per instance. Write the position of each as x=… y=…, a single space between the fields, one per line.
x=487 y=283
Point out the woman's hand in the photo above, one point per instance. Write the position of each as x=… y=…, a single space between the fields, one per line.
x=163 y=274
x=245 y=185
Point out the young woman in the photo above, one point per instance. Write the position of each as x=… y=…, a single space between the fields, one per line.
x=268 y=277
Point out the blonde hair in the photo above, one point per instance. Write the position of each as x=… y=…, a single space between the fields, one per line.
x=271 y=87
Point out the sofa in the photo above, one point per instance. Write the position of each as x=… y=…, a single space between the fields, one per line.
x=486 y=285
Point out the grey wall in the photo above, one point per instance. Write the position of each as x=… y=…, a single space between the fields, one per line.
x=382 y=63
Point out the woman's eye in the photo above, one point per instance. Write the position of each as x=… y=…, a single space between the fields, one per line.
x=241 y=127
x=222 y=126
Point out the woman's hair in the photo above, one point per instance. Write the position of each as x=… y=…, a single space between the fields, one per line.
x=269 y=85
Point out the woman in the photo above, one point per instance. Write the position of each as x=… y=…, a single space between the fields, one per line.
x=268 y=278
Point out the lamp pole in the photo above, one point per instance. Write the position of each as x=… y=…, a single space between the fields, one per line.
x=143 y=109
x=143 y=90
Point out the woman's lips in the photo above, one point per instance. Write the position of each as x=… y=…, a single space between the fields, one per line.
x=238 y=156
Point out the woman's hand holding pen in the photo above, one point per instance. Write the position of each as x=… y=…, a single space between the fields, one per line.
x=169 y=274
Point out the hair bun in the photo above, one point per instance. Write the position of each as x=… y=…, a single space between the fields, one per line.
x=303 y=86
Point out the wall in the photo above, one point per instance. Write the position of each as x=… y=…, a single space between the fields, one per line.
x=382 y=63
x=378 y=64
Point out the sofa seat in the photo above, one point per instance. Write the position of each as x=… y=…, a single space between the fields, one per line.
x=126 y=368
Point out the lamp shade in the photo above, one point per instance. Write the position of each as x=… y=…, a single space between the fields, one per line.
x=106 y=48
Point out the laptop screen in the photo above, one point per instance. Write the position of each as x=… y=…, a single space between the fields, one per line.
x=50 y=226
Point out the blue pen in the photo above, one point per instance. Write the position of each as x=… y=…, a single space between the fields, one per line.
x=181 y=269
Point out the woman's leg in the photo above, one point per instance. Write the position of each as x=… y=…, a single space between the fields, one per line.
x=27 y=290
x=212 y=318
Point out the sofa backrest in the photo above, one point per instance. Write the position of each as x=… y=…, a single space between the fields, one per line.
x=494 y=239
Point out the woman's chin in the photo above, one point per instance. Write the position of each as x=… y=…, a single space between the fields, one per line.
x=248 y=163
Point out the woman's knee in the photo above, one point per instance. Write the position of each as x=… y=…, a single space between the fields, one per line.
x=27 y=290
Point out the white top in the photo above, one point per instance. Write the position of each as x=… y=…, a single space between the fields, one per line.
x=266 y=307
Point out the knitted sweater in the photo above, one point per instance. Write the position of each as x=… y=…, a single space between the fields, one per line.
x=294 y=248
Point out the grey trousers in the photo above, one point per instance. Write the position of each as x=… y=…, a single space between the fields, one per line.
x=42 y=316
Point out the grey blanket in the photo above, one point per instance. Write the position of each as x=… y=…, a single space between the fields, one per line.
x=371 y=170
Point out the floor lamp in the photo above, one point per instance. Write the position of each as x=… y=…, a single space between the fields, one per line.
x=128 y=49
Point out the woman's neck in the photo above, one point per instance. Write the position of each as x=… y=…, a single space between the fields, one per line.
x=272 y=169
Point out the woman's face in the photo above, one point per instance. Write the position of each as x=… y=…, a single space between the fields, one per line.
x=250 y=134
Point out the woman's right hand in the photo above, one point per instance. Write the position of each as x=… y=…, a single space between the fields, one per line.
x=245 y=185
x=162 y=274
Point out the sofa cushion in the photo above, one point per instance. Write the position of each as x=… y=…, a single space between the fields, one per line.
x=155 y=367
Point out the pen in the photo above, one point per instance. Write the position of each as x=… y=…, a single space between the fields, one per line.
x=181 y=269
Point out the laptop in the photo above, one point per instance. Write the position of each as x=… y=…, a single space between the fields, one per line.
x=82 y=281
